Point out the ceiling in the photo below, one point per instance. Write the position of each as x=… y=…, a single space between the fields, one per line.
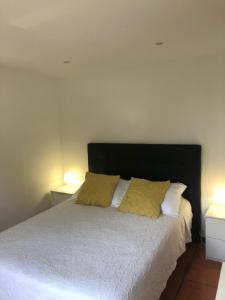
x=40 y=34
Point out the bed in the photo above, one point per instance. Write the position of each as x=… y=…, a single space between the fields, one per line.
x=90 y=253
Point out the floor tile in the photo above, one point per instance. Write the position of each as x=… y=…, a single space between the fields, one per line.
x=199 y=255
x=176 y=279
x=206 y=272
x=173 y=285
x=189 y=253
x=194 y=278
x=195 y=291
x=165 y=298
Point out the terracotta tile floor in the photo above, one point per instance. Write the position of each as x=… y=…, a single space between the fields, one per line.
x=194 y=278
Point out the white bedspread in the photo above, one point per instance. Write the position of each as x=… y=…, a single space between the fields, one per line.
x=74 y=252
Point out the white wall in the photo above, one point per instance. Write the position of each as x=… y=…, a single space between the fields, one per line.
x=179 y=101
x=30 y=154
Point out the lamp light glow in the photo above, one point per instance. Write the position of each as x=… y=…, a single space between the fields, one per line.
x=219 y=195
x=70 y=178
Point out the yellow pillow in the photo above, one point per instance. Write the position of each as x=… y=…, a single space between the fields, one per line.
x=144 y=197
x=97 y=189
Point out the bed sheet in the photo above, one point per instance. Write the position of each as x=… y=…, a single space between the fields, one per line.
x=75 y=252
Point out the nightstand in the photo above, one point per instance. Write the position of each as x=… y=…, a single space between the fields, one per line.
x=62 y=193
x=215 y=233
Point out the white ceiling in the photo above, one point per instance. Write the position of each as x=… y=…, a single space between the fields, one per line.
x=40 y=34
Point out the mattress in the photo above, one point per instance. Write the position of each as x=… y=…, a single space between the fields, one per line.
x=75 y=252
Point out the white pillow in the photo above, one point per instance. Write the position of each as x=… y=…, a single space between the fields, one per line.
x=119 y=192
x=171 y=203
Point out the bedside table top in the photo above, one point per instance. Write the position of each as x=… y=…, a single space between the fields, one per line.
x=216 y=211
x=66 y=189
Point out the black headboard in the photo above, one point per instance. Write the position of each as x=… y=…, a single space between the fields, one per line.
x=177 y=163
